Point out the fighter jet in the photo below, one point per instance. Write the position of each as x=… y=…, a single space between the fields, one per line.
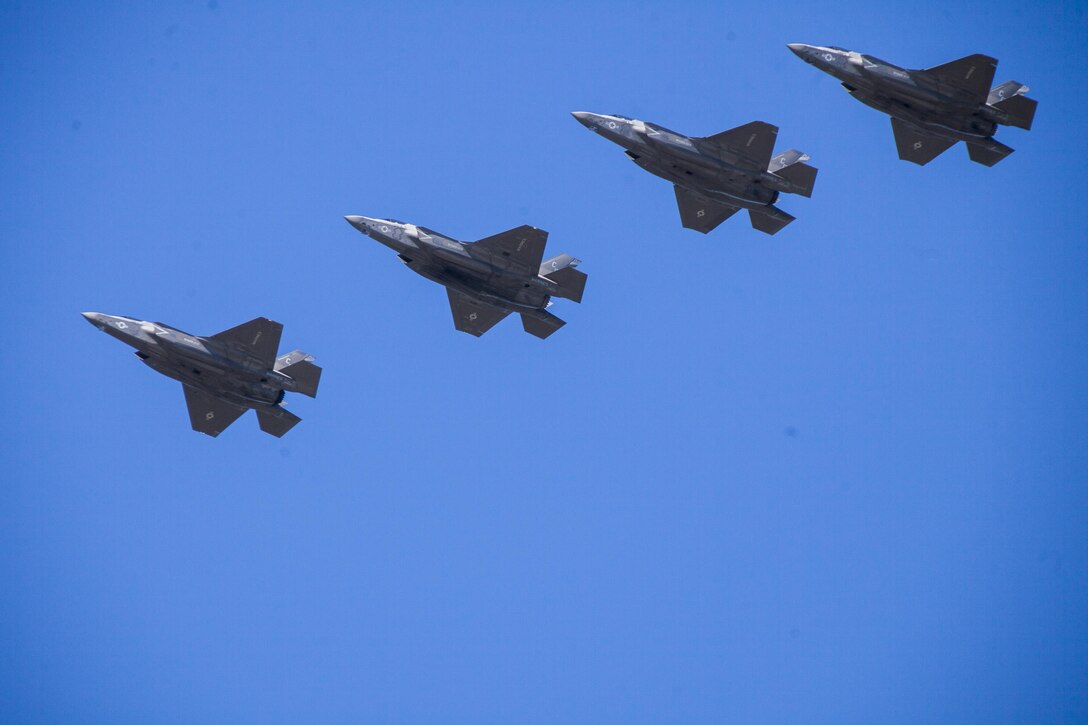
x=716 y=176
x=223 y=375
x=934 y=108
x=488 y=279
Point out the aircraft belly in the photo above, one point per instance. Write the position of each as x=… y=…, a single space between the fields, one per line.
x=932 y=118
x=722 y=185
x=734 y=197
x=462 y=261
x=507 y=297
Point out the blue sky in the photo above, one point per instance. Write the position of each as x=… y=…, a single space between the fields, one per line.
x=835 y=475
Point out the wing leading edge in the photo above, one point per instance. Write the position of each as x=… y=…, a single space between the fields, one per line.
x=916 y=146
x=473 y=316
x=261 y=336
x=522 y=246
x=699 y=213
x=753 y=143
x=208 y=414
x=973 y=74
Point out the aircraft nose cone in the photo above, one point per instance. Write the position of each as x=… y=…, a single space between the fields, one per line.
x=583 y=117
x=797 y=48
x=91 y=317
x=359 y=222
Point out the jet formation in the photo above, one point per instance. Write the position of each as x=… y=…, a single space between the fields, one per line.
x=716 y=176
x=934 y=108
x=713 y=177
x=224 y=375
x=488 y=279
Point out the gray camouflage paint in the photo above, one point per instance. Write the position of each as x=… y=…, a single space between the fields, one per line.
x=223 y=375
x=488 y=279
x=717 y=175
x=934 y=108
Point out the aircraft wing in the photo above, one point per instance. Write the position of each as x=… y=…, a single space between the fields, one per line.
x=916 y=146
x=701 y=214
x=209 y=414
x=261 y=336
x=473 y=316
x=973 y=74
x=753 y=142
x=522 y=246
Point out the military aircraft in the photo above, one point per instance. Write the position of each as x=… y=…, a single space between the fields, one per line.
x=488 y=279
x=223 y=375
x=716 y=176
x=934 y=108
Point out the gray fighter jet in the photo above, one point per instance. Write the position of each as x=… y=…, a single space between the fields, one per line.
x=488 y=279
x=934 y=108
x=716 y=176
x=223 y=375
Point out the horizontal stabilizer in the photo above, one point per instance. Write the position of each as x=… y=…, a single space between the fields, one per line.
x=917 y=146
x=542 y=324
x=571 y=283
x=769 y=219
x=699 y=213
x=306 y=376
x=260 y=336
x=276 y=420
x=988 y=152
x=207 y=413
x=801 y=176
x=1021 y=110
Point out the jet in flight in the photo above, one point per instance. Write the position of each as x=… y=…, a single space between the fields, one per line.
x=488 y=279
x=934 y=108
x=716 y=176
x=224 y=375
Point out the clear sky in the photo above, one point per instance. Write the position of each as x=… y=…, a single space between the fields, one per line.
x=838 y=475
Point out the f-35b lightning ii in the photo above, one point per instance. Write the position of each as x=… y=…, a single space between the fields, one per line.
x=488 y=279
x=934 y=108
x=223 y=375
x=717 y=176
